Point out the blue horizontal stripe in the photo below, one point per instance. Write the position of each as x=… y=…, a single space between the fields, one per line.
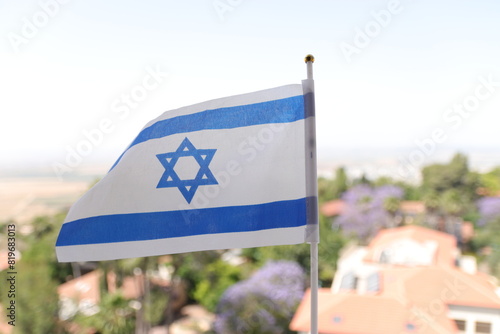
x=172 y=224
x=278 y=111
x=285 y=110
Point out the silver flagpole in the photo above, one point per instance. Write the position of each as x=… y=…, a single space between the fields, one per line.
x=312 y=232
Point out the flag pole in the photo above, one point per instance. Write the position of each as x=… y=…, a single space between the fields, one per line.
x=312 y=232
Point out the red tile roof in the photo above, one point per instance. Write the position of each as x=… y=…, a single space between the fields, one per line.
x=332 y=208
x=445 y=253
x=451 y=286
x=413 y=300
x=87 y=287
x=412 y=207
x=131 y=288
x=363 y=314
x=84 y=287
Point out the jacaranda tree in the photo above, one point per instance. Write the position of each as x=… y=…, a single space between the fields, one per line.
x=489 y=210
x=487 y=236
x=368 y=209
x=264 y=303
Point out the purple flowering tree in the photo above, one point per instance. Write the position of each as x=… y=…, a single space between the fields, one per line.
x=489 y=209
x=487 y=237
x=369 y=209
x=264 y=303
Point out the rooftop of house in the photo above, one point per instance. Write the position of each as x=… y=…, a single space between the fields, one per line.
x=332 y=208
x=354 y=314
x=373 y=297
x=85 y=287
x=410 y=300
x=436 y=247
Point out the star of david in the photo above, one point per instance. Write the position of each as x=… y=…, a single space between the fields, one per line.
x=188 y=188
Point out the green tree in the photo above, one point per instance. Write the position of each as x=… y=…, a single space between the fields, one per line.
x=451 y=188
x=431 y=200
x=115 y=316
x=189 y=267
x=329 y=189
x=332 y=240
x=491 y=181
x=217 y=277
x=452 y=202
x=363 y=179
x=155 y=305
x=36 y=299
x=40 y=243
x=37 y=280
x=340 y=184
x=324 y=189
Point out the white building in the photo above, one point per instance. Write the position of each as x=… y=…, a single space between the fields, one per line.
x=406 y=281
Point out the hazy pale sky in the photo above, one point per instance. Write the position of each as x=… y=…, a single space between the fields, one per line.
x=393 y=75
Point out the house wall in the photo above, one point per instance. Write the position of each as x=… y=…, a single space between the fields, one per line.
x=351 y=261
x=473 y=314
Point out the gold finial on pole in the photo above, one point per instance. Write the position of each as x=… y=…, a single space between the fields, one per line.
x=309 y=58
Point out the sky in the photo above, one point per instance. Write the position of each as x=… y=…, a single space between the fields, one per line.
x=408 y=78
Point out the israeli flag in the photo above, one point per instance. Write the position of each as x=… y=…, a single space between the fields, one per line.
x=227 y=173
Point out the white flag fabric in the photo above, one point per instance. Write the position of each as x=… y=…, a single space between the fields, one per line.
x=226 y=173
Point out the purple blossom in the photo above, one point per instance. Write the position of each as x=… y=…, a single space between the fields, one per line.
x=388 y=191
x=264 y=303
x=365 y=210
x=489 y=209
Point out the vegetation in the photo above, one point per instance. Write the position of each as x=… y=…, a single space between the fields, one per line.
x=39 y=275
x=369 y=209
x=257 y=289
x=450 y=188
x=115 y=316
x=333 y=189
x=488 y=238
x=264 y=303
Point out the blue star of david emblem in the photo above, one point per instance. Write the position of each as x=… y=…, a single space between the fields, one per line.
x=188 y=188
